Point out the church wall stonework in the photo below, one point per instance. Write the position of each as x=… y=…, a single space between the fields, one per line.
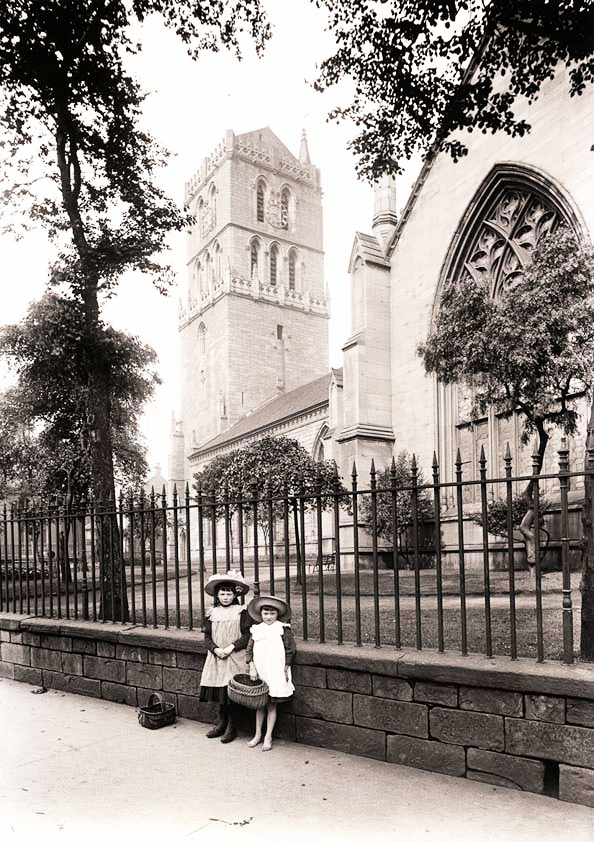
x=559 y=147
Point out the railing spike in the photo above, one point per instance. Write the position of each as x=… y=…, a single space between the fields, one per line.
x=507 y=452
x=354 y=471
x=435 y=463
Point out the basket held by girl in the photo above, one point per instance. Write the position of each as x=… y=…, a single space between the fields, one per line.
x=226 y=636
x=270 y=653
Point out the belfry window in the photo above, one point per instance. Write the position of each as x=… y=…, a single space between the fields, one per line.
x=292 y=269
x=273 y=265
x=254 y=257
x=260 y=202
x=284 y=209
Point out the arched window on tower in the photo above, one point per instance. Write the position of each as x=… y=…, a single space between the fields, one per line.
x=208 y=272
x=254 y=258
x=260 y=201
x=212 y=201
x=217 y=268
x=273 y=264
x=200 y=215
x=284 y=209
x=292 y=269
x=201 y=339
x=200 y=276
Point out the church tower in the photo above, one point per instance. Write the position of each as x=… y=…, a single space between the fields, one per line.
x=255 y=320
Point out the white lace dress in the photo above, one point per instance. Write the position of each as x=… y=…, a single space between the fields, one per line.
x=269 y=654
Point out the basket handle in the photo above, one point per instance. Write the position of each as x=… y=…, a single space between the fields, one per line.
x=155 y=698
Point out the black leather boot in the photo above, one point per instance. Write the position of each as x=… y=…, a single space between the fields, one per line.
x=230 y=732
x=220 y=725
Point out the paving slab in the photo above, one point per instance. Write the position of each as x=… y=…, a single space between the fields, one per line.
x=79 y=768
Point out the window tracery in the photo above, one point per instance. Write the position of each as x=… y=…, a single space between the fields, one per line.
x=499 y=232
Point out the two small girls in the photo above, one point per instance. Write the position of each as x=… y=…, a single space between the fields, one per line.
x=270 y=652
x=226 y=636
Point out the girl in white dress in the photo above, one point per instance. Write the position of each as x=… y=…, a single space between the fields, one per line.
x=226 y=636
x=270 y=652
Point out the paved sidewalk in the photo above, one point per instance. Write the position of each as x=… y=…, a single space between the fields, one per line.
x=77 y=768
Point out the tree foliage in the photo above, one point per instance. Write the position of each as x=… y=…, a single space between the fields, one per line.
x=271 y=467
x=77 y=160
x=396 y=485
x=44 y=424
x=423 y=69
x=532 y=348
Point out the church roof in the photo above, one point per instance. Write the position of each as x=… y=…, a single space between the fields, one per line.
x=369 y=249
x=282 y=408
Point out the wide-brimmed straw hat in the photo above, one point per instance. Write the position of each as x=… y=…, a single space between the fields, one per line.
x=232 y=578
x=255 y=606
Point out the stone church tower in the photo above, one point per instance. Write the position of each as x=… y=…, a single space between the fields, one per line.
x=255 y=321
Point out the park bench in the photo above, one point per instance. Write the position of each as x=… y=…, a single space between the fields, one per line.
x=328 y=563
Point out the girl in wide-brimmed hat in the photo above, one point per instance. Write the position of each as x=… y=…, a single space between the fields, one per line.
x=270 y=653
x=226 y=635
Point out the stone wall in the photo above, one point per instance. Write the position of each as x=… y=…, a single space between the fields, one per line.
x=515 y=724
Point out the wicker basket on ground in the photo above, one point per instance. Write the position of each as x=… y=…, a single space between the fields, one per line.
x=249 y=692
x=157 y=713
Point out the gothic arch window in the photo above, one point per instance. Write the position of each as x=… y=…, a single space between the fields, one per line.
x=200 y=277
x=285 y=201
x=207 y=272
x=202 y=339
x=217 y=263
x=255 y=258
x=194 y=284
x=513 y=210
x=273 y=264
x=260 y=200
x=318 y=446
x=293 y=269
x=200 y=215
x=212 y=201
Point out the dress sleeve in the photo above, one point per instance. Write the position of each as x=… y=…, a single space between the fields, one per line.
x=249 y=652
x=290 y=646
x=210 y=644
x=245 y=621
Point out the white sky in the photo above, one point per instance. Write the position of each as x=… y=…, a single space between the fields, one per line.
x=191 y=104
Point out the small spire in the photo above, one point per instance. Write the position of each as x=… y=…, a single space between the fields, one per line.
x=304 y=151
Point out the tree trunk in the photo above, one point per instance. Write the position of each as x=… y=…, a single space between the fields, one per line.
x=526 y=529
x=300 y=577
x=114 y=603
x=587 y=580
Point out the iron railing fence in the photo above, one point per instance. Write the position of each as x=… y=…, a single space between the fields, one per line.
x=329 y=554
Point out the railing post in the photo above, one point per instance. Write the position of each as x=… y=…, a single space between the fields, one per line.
x=320 y=555
x=376 y=611
x=536 y=465
x=511 y=554
x=131 y=547
x=337 y=559
x=438 y=564
x=254 y=489
x=176 y=556
x=164 y=561
x=485 y=530
x=188 y=557
x=415 y=529
x=270 y=519
x=201 y=565
x=567 y=604
x=355 y=494
x=462 y=572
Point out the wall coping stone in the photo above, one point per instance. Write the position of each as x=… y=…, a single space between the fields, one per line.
x=524 y=674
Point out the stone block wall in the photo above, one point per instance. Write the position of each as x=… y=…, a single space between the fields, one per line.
x=515 y=724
